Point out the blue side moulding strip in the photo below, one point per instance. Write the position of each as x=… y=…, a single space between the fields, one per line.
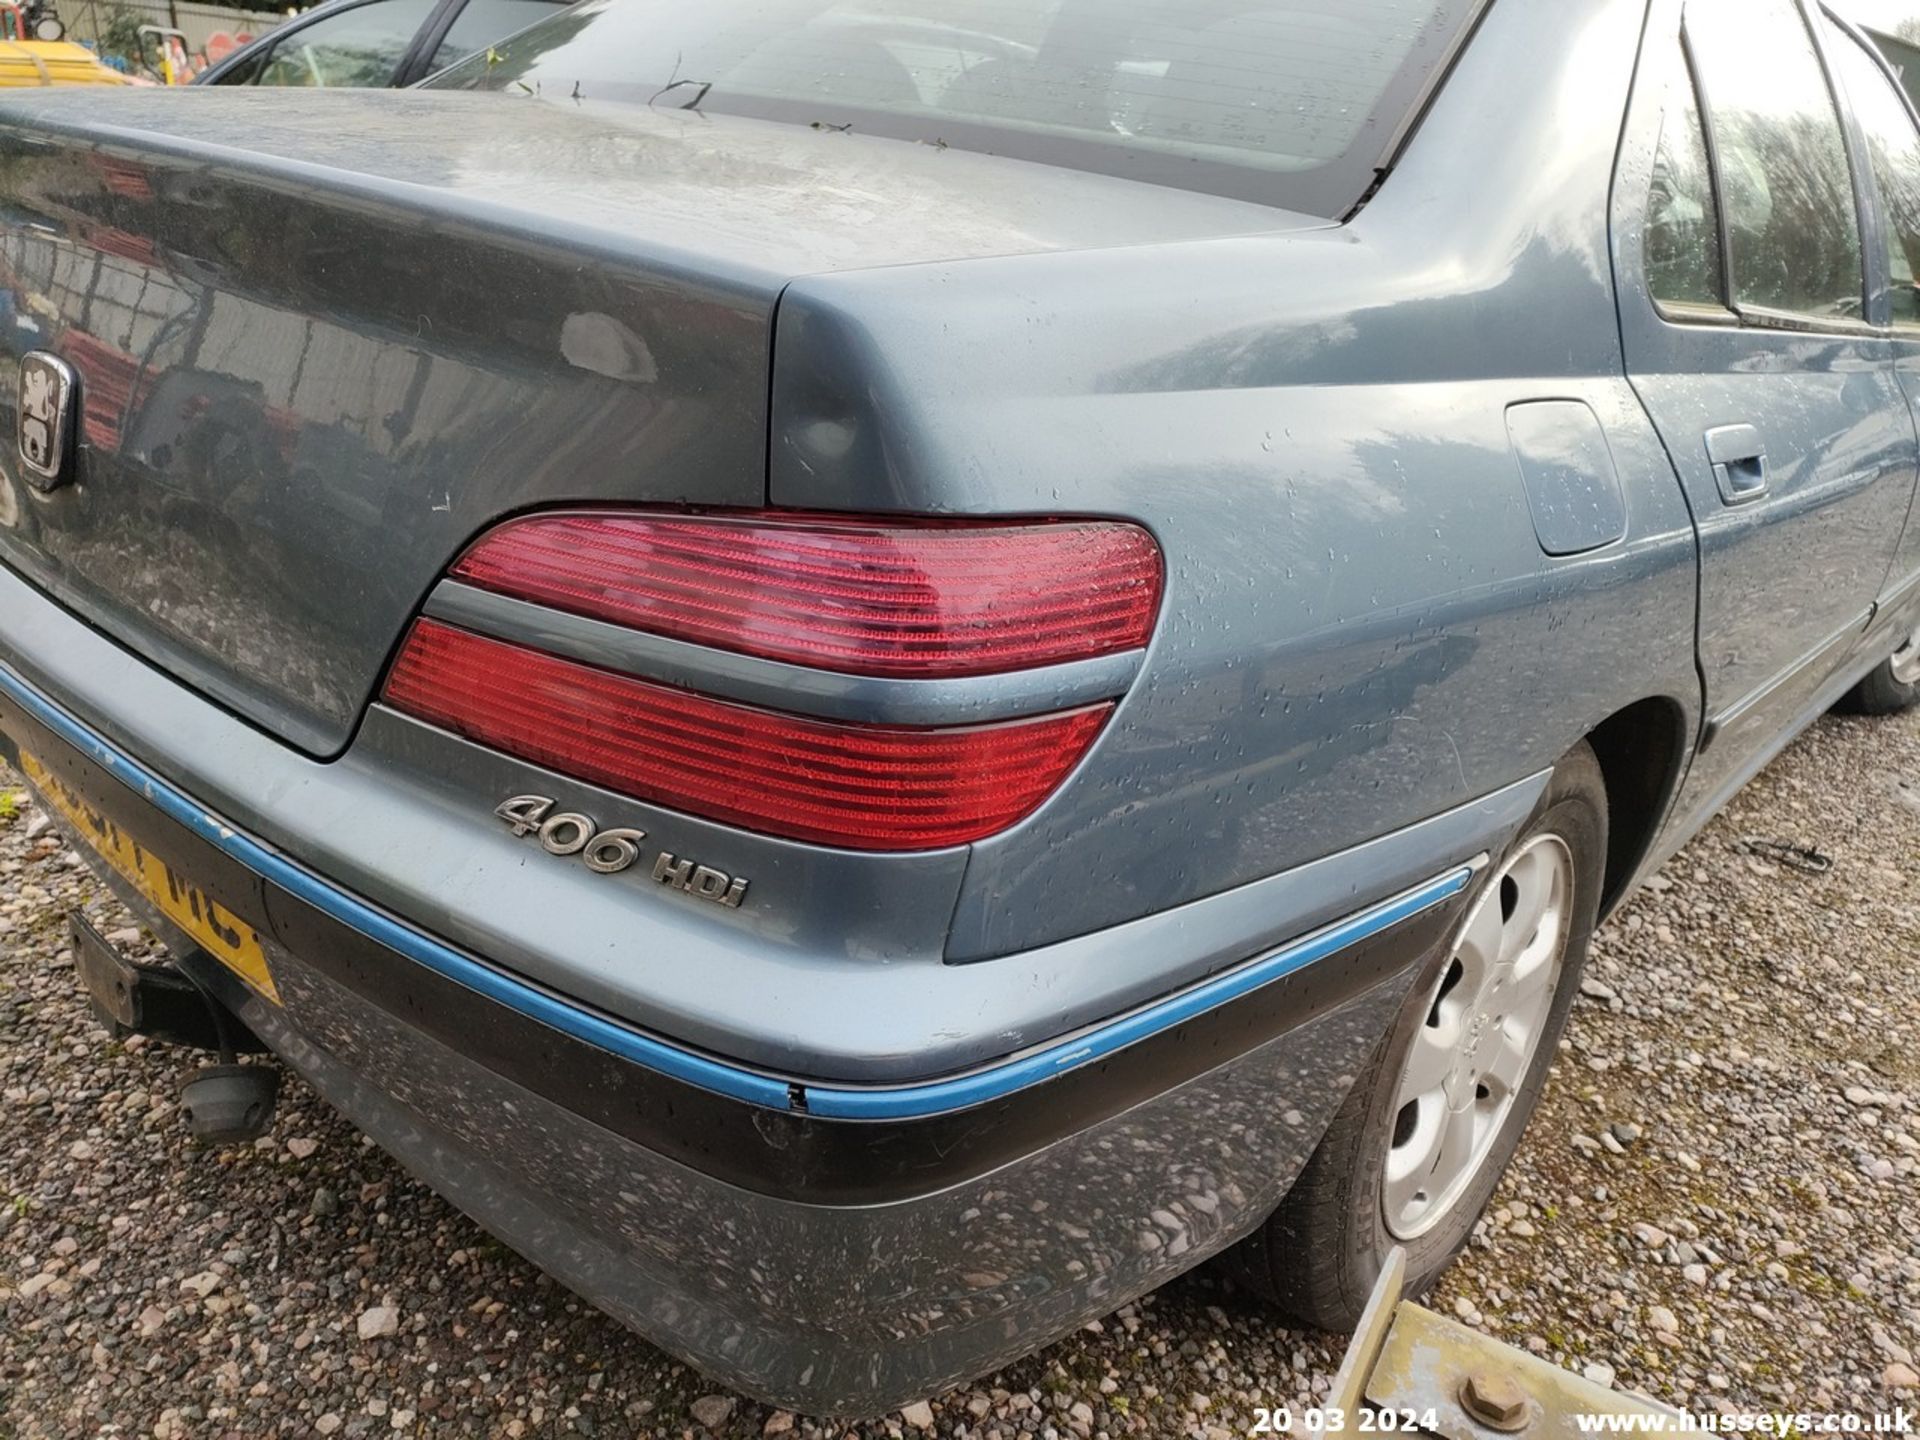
x=829 y=1102
x=910 y=1101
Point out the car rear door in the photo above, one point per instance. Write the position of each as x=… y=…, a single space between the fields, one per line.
x=1891 y=141
x=1754 y=334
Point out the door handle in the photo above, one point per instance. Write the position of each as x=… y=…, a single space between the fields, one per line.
x=1739 y=461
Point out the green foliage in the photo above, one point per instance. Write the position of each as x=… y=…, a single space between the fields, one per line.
x=121 y=35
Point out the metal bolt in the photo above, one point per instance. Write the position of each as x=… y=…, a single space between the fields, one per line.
x=1495 y=1401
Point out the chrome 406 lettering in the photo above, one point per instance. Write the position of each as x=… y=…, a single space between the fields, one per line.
x=608 y=852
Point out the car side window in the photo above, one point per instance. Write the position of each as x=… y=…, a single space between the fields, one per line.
x=1893 y=150
x=1685 y=267
x=244 y=71
x=481 y=22
x=359 y=47
x=1792 y=221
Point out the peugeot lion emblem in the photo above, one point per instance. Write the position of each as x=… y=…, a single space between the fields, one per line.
x=46 y=418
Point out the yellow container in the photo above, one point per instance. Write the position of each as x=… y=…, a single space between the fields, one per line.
x=53 y=62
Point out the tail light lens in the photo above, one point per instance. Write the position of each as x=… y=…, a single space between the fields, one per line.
x=864 y=787
x=891 y=598
x=898 y=598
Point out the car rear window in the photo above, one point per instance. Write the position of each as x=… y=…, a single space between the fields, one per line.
x=1291 y=102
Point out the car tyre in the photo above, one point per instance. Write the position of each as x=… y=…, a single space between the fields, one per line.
x=1892 y=686
x=1320 y=1253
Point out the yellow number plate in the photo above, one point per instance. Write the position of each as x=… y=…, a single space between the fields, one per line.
x=230 y=941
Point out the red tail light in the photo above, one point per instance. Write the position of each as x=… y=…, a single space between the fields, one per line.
x=866 y=787
x=866 y=597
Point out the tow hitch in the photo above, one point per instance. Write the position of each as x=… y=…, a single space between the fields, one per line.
x=1404 y=1360
x=225 y=1104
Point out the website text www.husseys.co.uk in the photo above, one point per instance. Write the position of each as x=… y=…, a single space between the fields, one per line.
x=1758 y=1422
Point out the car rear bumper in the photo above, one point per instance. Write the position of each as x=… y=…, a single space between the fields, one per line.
x=832 y=1263
x=837 y=1216
x=838 y=1309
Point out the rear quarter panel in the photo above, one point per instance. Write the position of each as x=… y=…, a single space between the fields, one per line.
x=1360 y=628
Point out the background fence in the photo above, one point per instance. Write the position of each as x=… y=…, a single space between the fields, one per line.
x=87 y=19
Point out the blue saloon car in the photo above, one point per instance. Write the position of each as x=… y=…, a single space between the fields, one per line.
x=873 y=673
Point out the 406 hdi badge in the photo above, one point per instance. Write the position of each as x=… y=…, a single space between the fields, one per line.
x=608 y=852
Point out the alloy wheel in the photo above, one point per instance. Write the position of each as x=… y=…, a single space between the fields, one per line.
x=1484 y=1021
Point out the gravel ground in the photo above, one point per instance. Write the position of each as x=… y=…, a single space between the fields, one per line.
x=1715 y=1204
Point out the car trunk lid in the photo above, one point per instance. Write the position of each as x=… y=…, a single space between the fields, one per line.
x=323 y=340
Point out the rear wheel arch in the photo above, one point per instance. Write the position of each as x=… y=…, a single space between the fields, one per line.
x=1320 y=1253
x=1642 y=752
